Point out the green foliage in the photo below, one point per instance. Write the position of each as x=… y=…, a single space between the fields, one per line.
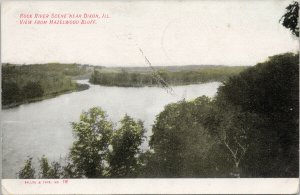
x=47 y=171
x=180 y=142
x=123 y=159
x=249 y=130
x=184 y=77
x=11 y=93
x=44 y=168
x=32 y=90
x=26 y=83
x=92 y=137
x=290 y=18
x=55 y=171
x=267 y=88
x=270 y=91
x=233 y=131
x=27 y=172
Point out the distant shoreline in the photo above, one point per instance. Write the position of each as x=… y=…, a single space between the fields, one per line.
x=23 y=84
x=80 y=87
x=162 y=77
x=153 y=85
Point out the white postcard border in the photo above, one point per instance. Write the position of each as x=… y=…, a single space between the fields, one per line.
x=152 y=186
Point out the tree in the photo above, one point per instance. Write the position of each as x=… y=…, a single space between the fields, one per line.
x=44 y=168
x=270 y=91
x=92 y=137
x=47 y=171
x=126 y=141
x=180 y=142
x=290 y=18
x=55 y=171
x=27 y=172
x=232 y=130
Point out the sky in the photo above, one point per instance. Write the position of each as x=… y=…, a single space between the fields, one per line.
x=224 y=32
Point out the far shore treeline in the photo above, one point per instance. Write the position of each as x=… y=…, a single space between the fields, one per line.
x=172 y=76
x=28 y=83
x=249 y=129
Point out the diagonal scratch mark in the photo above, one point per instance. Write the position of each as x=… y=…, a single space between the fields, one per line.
x=157 y=77
x=160 y=81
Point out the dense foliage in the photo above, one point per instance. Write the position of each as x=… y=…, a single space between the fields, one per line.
x=270 y=91
x=149 y=78
x=93 y=134
x=123 y=160
x=28 y=83
x=49 y=171
x=181 y=144
x=253 y=121
x=27 y=172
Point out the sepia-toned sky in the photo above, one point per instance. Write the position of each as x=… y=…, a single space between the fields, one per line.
x=225 y=32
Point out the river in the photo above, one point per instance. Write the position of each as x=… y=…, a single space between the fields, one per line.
x=43 y=128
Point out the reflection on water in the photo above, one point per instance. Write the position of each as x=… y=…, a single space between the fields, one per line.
x=43 y=128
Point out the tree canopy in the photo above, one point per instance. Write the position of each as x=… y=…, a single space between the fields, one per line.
x=180 y=142
x=126 y=141
x=290 y=18
x=269 y=91
x=93 y=134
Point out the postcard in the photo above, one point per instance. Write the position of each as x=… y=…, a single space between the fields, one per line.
x=150 y=97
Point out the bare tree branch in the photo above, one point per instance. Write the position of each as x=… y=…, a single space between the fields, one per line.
x=228 y=147
x=241 y=146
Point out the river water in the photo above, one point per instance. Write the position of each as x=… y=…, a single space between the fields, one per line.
x=43 y=128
